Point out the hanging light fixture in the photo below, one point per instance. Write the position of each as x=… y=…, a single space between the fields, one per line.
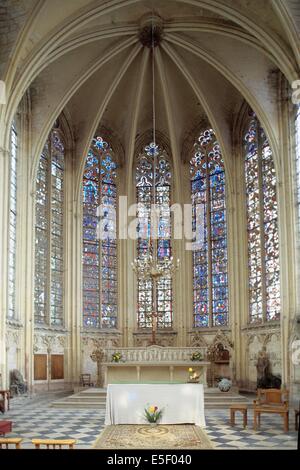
x=149 y=267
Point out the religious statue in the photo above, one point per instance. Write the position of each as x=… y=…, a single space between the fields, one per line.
x=97 y=356
x=17 y=384
x=265 y=379
x=263 y=368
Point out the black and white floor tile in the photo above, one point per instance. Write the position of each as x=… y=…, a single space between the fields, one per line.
x=34 y=418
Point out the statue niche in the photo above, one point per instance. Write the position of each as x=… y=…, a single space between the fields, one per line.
x=18 y=385
x=265 y=379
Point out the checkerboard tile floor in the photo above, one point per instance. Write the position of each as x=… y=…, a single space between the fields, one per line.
x=33 y=418
x=269 y=436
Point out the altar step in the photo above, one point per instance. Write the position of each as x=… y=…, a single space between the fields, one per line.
x=95 y=398
x=214 y=398
x=91 y=398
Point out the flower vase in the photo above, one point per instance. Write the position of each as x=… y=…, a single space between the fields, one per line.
x=224 y=385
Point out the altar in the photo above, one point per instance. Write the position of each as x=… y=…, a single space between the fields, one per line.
x=154 y=364
x=151 y=372
x=180 y=403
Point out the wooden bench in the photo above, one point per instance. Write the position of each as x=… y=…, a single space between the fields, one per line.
x=54 y=443
x=242 y=409
x=5 y=427
x=5 y=442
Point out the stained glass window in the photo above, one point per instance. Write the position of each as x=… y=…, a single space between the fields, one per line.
x=99 y=237
x=12 y=222
x=262 y=226
x=49 y=233
x=210 y=277
x=159 y=245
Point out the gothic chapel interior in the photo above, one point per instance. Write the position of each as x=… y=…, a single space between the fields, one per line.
x=181 y=103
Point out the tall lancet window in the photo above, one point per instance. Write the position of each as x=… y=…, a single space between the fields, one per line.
x=99 y=256
x=154 y=186
x=210 y=278
x=49 y=233
x=262 y=226
x=11 y=313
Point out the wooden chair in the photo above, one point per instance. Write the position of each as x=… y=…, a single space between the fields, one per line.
x=5 y=442
x=53 y=443
x=272 y=401
x=85 y=379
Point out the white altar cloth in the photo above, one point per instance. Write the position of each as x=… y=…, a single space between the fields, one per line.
x=181 y=403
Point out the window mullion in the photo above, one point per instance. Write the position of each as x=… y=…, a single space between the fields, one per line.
x=100 y=244
x=209 y=248
x=49 y=216
x=261 y=222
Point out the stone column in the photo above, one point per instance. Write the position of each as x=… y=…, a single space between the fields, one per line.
x=4 y=166
x=238 y=261
x=287 y=224
x=186 y=261
x=26 y=242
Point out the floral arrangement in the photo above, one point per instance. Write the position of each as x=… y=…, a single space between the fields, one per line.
x=116 y=357
x=196 y=356
x=153 y=414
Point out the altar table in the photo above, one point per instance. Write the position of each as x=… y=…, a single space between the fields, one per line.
x=181 y=403
x=153 y=371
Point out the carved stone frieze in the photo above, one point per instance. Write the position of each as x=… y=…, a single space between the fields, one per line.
x=152 y=353
x=100 y=342
x=12 y=338
x=49 y=343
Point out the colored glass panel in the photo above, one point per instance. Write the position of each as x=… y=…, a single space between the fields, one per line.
x=49 y=233
x=262 y=226
x=146 y=174
x=210 y=282
x=99 y=255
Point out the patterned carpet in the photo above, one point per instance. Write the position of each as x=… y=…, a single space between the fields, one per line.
x=165 y=436
x=33 y=418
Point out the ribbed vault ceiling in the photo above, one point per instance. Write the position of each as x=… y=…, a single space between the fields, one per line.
x=85 y=58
